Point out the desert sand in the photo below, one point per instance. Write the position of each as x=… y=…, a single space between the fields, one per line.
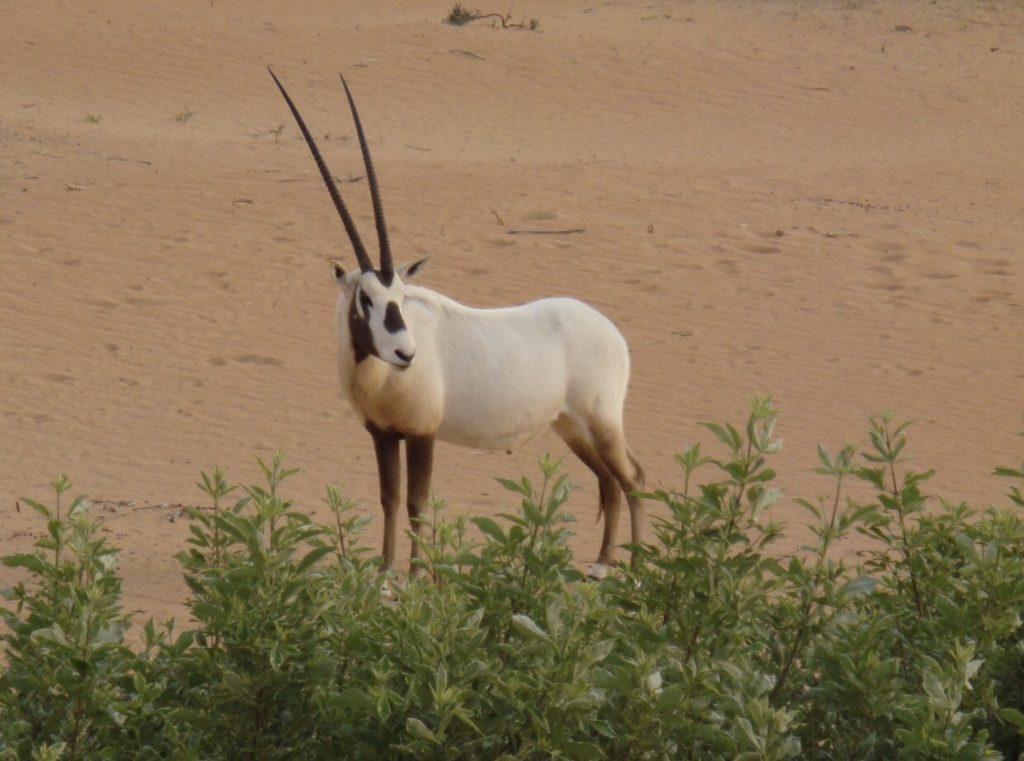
x=817 y=200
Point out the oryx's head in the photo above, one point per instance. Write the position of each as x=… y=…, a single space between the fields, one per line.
x=375 y=296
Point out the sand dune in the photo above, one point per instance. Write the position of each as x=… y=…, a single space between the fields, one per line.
x=817 y=200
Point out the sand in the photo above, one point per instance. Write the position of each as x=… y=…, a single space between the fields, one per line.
x=817 y=200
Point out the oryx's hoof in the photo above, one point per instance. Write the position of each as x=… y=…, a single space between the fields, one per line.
x=598 y=570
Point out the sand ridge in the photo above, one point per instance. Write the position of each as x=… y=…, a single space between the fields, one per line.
x=816 y=200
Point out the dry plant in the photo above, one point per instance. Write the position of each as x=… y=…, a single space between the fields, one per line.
x=460 y=15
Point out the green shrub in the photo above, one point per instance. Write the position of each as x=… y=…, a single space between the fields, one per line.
x=712 y=646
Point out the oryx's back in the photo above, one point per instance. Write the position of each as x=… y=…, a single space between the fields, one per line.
x=511 y=372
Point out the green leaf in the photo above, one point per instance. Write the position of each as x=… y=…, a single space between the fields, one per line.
x=52 y=634
x=490 y=528
x=874 y=476
x=860 y=586
x=967 y=545
x=39 y=507
x=276 y=656
x=730 y=437
x=935 y=689
x=1009 y=473
x=80 y=504
x=354 y=698
x=416 y=727
x=527 y=627
x=235 y=684
x=1013 y=716
x=312 y=557
x=112 y=634
x=826 y=460
x=765 y=475
x=460 y=713
x=581 y=750
x=28 y=561
x=519 y=487
x=748 y=731
x=601 y=650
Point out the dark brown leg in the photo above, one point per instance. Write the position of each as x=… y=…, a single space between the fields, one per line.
x=636 y=505
x=389 y=469
x=610 y=497
x=608 y=487
x=419 y=457
x=611 y=446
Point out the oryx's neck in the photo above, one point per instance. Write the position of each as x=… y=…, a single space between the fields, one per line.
x=406 y=401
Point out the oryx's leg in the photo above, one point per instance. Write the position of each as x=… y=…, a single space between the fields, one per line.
x=579 y=441
x=610 y=443
x=389 y=469
x=419 y=457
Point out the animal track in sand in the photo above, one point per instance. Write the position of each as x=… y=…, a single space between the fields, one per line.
x=144 y=301
x=730 y=266
x=996 y=267
x=760 y=249
x=540 y=216
x=102 y=303
x=257 y=359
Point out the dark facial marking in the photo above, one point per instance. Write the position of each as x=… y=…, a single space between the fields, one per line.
x=393 y=321
x=365 y=302
x=362 y=336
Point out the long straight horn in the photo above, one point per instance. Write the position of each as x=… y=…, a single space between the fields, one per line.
x=350 y=226
x=378 y=211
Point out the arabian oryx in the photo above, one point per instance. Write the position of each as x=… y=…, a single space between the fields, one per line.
x=418 y=366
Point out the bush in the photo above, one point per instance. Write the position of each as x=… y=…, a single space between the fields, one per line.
x=711 y=647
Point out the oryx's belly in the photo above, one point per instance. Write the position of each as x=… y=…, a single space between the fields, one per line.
x=498 y=423
x=503 y=400
x=478 y=437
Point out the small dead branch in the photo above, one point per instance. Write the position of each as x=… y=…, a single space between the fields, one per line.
x=568 y=231
x=349 y=178
x=130 y=161
x=460 y=16
x=469 y=53
x=276 y=132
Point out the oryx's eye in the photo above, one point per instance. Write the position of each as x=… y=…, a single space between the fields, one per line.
x=365 y=302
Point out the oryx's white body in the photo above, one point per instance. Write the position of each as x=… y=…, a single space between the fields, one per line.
x=489 y=378
x=419 y=367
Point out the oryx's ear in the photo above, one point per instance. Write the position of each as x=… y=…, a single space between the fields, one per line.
x=409 y=271
x=338 y=272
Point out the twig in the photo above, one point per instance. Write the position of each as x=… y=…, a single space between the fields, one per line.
x=131 y=161
x=469 y=53
x=568 y=231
